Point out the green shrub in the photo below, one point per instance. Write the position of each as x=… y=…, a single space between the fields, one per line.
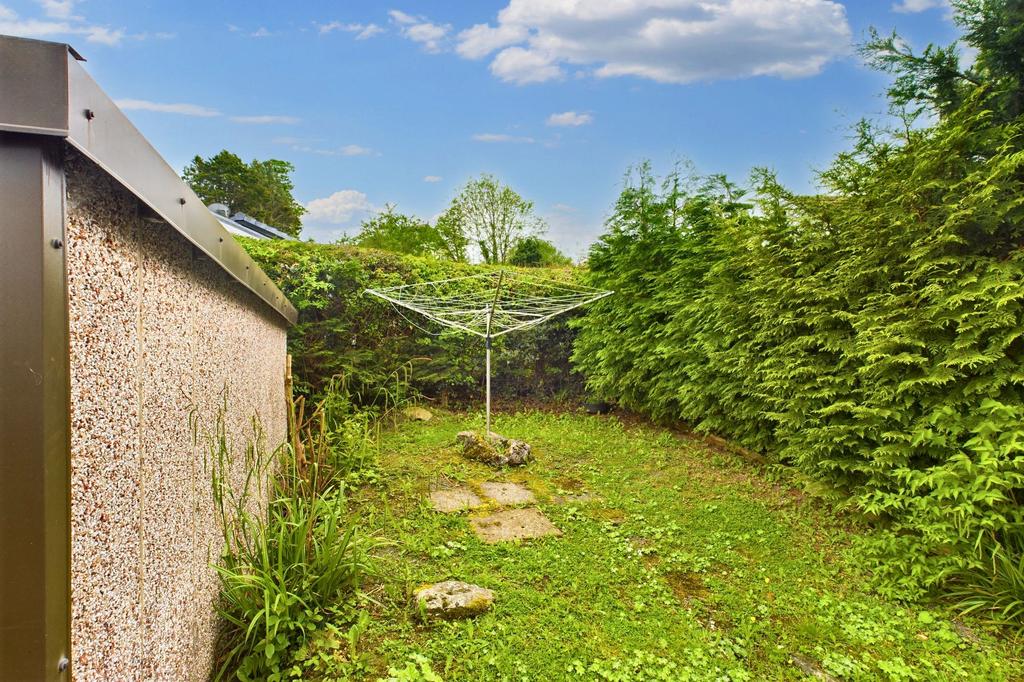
x=342 y=332
x=871 y=337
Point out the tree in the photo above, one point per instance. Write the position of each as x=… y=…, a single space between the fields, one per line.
x=496 y=217
x=537 y=253
x=450 y=227
x=935 y=78
x=261 y=189
x=391 y=231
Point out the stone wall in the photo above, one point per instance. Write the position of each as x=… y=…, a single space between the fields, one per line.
x=157 y=334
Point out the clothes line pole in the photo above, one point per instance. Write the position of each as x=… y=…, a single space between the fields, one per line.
x=487 y=432
x=518 y=301
x=490 y=317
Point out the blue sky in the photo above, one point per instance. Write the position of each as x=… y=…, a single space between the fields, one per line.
x=402 y=102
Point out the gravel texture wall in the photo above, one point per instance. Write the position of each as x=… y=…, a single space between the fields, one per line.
x=157 y=334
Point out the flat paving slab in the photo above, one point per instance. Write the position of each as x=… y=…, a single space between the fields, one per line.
x=513 y=524
x=459 y=498
x=507 y=493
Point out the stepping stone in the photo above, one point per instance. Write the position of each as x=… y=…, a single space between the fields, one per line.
x=513 y=524
x=452 y=599
x=507 y=493
x=456 y=499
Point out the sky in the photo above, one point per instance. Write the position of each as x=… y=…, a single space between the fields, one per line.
x=402 y=102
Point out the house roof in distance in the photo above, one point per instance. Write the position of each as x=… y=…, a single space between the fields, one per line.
x=243 y=225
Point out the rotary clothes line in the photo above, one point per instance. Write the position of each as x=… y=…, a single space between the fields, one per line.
x=490 y=305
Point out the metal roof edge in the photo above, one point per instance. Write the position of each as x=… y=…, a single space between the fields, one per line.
x=44 y=90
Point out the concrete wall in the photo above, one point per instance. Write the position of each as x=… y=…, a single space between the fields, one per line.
x=156 y=332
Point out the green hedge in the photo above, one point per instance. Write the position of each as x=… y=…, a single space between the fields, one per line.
x=871 y=336
x=342 y=331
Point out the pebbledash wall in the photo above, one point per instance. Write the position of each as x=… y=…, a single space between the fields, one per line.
x=156 y=335
x=130 y=321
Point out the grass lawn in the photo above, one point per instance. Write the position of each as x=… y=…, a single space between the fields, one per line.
x=686 y=563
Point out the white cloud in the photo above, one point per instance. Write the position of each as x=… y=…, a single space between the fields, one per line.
x=481 y=40
x=159 y=35
x=432 y=178
x=401 y=17
x=362 y=31
x=569 y=118
x=521 y=66
x=61 y=23
x=104 y=35
x=914 y=6
x=369 y=31
x=669 y=41
x=307 y=145
x=501 y=137
x=186 y=109
x=339 y=208
x=59 y=9
x=263 y=120
x=355 y=150
x=421 y=30
x=261 y=32
x=166 y=108
x=332 y=26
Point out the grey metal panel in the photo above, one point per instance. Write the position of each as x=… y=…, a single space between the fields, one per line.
x=34 y=420
x=33 y=86
x=45 y=91
x=106 y=136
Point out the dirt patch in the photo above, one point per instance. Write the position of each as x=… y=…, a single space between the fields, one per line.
x=569 y=484
x=687 y=586
x=616 y=517
x=575 y=498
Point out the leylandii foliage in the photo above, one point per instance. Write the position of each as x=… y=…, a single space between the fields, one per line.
x=869 y=336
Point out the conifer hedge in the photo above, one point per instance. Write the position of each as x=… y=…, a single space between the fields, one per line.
x=870 y=336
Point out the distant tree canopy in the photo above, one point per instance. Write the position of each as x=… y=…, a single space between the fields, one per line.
x=495 y=217
x=400 y=233
x=534 y=252
x=392 y=231
x=484 y=212
x=261 y=189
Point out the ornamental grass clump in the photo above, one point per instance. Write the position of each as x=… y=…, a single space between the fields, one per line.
x=292 y=558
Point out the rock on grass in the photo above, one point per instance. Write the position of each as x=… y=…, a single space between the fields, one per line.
x=452 y=599
x=494 y=450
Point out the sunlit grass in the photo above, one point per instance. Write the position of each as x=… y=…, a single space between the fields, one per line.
x=684 y=563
